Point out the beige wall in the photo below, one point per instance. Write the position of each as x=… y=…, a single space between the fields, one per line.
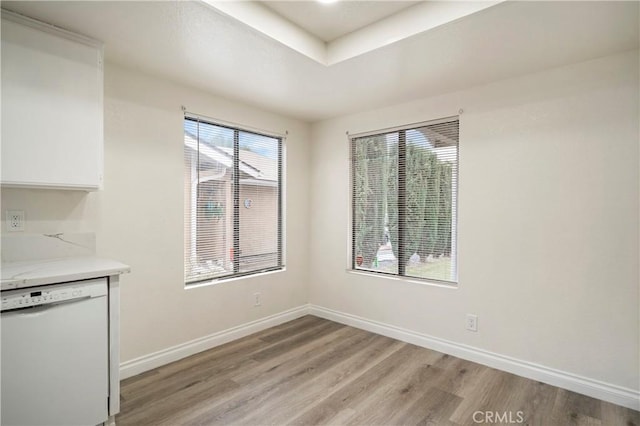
x=548 y=221
x=138 y=217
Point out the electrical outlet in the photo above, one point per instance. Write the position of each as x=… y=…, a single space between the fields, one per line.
x=257 y=299
x=472 y=322
x=15 y=220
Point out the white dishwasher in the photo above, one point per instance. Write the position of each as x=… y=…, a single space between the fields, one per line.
x=55 y=366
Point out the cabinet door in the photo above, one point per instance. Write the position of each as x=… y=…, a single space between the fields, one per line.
x=52 y=110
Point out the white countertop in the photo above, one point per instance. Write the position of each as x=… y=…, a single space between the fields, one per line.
x=51 y=271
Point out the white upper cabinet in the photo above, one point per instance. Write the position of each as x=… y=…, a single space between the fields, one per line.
x=52 y=107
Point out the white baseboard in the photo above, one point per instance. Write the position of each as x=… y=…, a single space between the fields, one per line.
x=607 y=392
x=157 y=359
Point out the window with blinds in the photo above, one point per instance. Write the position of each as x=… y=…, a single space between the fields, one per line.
x=232 y=203
x=404 y=193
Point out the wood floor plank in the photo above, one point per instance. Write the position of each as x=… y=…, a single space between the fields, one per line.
x=463 y=376
x=571 y=408
x=341 y=417
x=497 y=392
x=312 y=371
x=361 y=389
x=301 y=338
x=410 y=381
x=614 y=413
x=266 y=388
x=307 y=393
x=268 y=375
x=434 y=407
x=302 y=353
x=169 y=408
x=288 y=329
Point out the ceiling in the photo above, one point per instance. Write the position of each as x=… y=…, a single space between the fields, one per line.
x=328 y=21
x=419 y=51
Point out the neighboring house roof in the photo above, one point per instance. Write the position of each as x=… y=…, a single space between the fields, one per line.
x=253 y=165
x=267 y=167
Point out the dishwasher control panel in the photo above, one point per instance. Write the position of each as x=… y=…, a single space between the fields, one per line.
x=55 y=293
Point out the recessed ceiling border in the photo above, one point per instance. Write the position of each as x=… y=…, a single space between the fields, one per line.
x=399 y=26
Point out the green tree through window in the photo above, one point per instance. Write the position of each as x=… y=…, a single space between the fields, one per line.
x=404 y=201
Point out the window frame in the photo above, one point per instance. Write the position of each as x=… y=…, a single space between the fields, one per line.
x=236 y=202
x=401 y=273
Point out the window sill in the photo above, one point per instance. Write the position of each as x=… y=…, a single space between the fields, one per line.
x=221 y=280
x=412 y=280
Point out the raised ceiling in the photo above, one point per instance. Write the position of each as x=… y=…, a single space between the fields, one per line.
x=333 y=20
x=390 y=26
x=207 y=46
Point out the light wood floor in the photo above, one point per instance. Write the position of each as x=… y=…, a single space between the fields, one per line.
x=312 y=371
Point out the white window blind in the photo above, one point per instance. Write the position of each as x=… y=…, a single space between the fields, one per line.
x=404 y=201
x=232 y=203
